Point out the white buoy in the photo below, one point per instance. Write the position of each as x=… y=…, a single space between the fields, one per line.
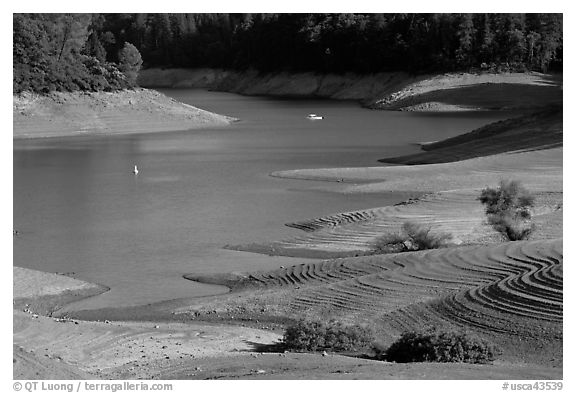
x=135 y=171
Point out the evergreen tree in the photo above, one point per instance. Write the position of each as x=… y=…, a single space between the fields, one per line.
x=130 y=62
x=465 y=34
x=94 y=47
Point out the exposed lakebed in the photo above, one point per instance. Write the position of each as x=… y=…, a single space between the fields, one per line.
x=80 y=210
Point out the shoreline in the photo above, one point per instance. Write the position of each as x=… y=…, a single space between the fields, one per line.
x=45 y=293
x=191 y=338
x=46 y=344
x=156 y=332
x=102 y=113
x=448 y=92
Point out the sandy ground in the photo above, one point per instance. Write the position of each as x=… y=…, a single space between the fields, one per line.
x=102 y=113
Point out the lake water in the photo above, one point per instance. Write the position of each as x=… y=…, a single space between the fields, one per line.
x=80 y=210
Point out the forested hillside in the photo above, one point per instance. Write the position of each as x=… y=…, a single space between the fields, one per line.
x=88 y=51
x=362 y=43
x=62 y=52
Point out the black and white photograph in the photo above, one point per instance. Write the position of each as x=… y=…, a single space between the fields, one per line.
x=286 y=196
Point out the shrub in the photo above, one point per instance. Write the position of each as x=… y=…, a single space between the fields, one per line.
x=390 y=243
x=413 y=237
x=421 y=238
x=444 y=347
x=334 y=336
x=508 y=209
x=514 y=228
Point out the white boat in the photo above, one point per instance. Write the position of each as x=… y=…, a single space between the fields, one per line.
x=313 y=116
x=135 y=171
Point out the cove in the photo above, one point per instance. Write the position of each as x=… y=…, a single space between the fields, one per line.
x=81 y=211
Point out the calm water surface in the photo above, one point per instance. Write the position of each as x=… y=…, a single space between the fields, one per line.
x=79 y=208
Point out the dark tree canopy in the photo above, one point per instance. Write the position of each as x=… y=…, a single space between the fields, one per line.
x=47 y=46
x=62 y=52
x=362 y=43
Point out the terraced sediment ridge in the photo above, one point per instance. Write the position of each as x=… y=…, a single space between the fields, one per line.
x=513 y=287
x=450 y=205
x=455 y=212
x=526 y=301
x=510 y=289
x=535 y=293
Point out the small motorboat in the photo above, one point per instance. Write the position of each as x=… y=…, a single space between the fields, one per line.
x=313 y=116
x=135 y=171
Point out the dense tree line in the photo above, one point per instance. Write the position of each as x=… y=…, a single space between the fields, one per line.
x=62 y=52
x=362 y=43
x=56 y=50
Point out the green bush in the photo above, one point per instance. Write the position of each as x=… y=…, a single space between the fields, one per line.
x=508 y=209
x=333 y=336
x=413 y=237
x=444 y=347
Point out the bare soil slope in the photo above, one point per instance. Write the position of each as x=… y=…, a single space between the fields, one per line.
x=62 y=348
x=392 y=90
x=509 y=293
x=467 y=91
x=450 y=206
x=102 y=113
x=540 y=130
x=43 y=293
